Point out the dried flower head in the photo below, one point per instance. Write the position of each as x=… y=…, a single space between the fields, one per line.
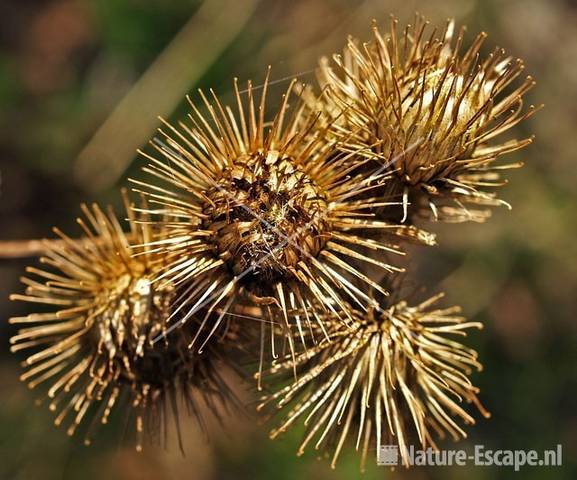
x=394 y=375
x=263 y=214
x=93 y=347
x=440 y=110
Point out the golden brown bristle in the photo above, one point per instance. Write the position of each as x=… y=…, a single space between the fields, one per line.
x=270 y=217
x=396 y=375
x=95 y=349
x=424 y=89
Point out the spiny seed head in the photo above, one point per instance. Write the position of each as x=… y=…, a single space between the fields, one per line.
x=264 y=213
x=130 y=311
x=95 y=347
x=432 y=109
x=394 y=375
x=289 y=204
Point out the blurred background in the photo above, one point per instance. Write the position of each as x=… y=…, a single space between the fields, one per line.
x=81 y=85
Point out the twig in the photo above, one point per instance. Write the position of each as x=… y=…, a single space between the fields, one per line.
x=26 y=248
x=35 y=248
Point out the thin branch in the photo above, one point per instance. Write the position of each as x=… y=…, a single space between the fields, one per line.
x=36 y=248
x=26 y=248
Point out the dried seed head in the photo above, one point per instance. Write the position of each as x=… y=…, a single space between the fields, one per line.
x=270 y=218
x=131 y=311
x=288 y=203
x=438 y=111
x=96 y=349
x=394 y=376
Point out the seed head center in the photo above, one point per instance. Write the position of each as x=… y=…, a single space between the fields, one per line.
x=266 y=216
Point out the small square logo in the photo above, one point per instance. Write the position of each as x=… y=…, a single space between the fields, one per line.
x=388 y=455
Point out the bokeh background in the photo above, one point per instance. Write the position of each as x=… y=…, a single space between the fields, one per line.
x=81 y=84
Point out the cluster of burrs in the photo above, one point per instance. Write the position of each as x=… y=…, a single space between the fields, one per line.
x=273 y=242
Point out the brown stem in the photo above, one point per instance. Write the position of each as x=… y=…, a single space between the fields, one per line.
x=25 y=248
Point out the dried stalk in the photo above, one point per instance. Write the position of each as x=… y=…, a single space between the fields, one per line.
x=26 y=248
